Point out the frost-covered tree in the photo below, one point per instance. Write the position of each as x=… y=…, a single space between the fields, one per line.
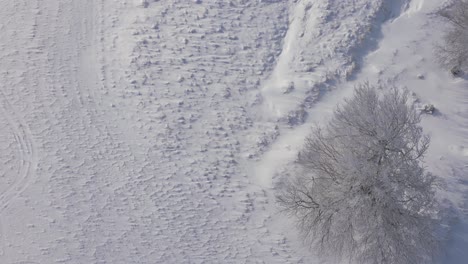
x=454 y=52
x=362 y=194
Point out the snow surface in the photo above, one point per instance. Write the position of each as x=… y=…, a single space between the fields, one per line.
x=156 y=131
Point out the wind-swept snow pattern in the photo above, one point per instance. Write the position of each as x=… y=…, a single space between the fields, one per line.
x=155 y=131
x=325 y=43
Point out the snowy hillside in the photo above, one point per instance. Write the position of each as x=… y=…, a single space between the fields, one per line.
x=155 y=131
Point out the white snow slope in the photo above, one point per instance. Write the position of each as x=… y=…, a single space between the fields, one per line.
x=155 y=131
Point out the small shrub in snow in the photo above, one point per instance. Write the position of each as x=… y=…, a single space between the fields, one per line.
x=288 y=88
x=362 y=195
x=456 y=71
x=296 y=117
x=428 y=109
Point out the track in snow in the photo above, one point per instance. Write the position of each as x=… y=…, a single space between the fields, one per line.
x=27 y=159
x=27 y=154
x=142 y=123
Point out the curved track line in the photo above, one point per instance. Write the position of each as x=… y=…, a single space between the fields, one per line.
x=28 y=154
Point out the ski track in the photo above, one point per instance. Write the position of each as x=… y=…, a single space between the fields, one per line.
x=27 y=158
x=128 y=173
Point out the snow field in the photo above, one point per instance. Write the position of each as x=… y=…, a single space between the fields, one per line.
x=155 y=131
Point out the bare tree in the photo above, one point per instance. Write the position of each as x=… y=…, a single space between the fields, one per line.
x=454 y=52
x=362 y=194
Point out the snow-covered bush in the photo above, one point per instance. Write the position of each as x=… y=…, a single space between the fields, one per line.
x=296 y=117
x=456 y=71
x=428 y=109
x=454 y=52
x=362 y=194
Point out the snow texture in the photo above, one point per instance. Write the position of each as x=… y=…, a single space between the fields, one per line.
x=154 y=131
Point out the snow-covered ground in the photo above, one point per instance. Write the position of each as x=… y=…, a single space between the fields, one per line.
x=155 y=131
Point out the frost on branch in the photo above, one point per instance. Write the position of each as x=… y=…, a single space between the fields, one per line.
x=362 y=194
x=453 y=54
